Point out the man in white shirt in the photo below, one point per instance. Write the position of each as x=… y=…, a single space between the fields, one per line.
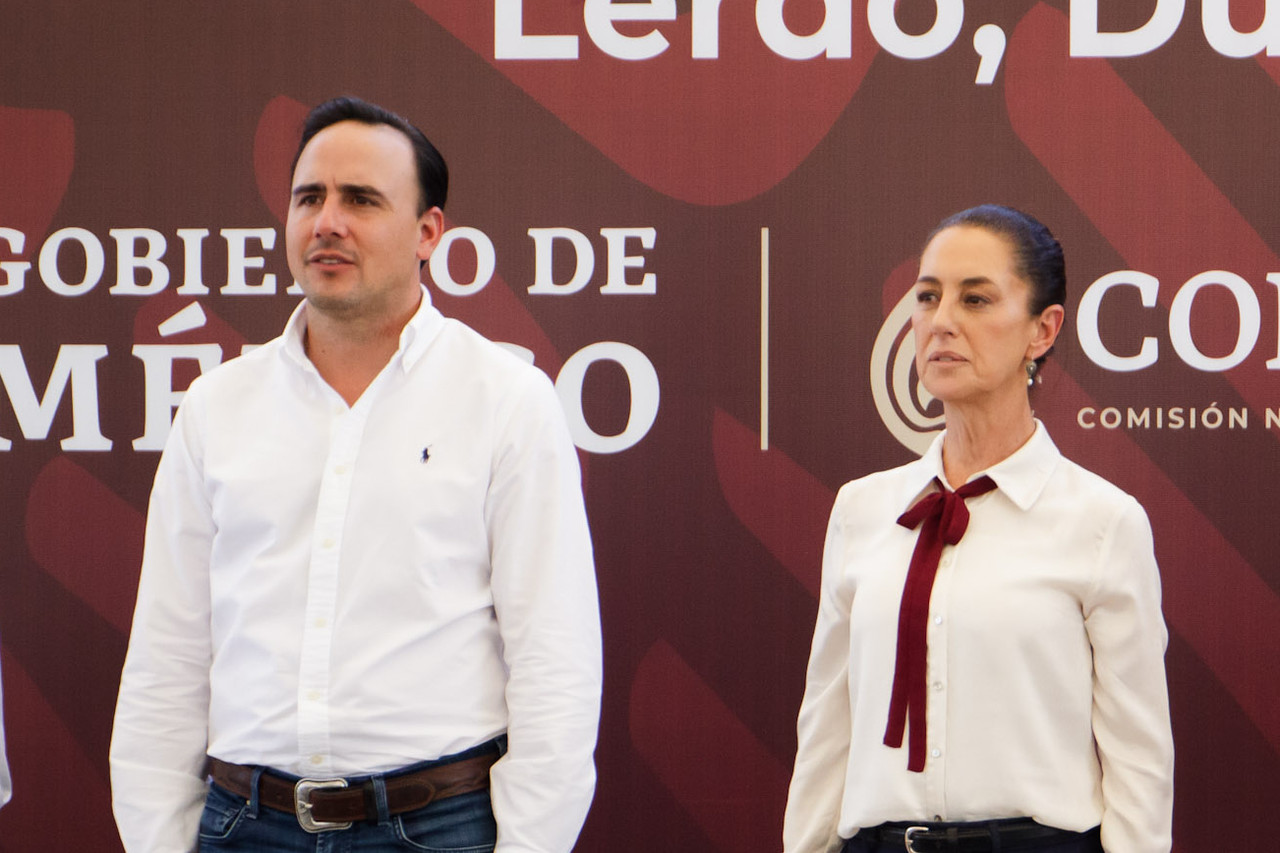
x=367 y=609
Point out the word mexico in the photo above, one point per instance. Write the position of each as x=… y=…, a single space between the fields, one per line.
x=833 y=38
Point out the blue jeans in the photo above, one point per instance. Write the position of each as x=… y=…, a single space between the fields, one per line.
x=460 y=824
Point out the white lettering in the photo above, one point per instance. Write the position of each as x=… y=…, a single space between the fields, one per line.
x=94 y=262
x=1086 y=40
x=884 y=27
x=193 y=260
x=705 y=23
x=543 y=249
x=618 y=261
x=510 y=41
x=1215 y=18
x=76 y=365
x=599 y=16
x=834 y=37
x=128 y=262
x=238 y=262
x=1272 y=363
x=486 y=261
x=15 y=272
x=1087 y=321
x=642 y=378
x=1250 y=314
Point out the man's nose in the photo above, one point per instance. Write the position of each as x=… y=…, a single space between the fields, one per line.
x=330 y=219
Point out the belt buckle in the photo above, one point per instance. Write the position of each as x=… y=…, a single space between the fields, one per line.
x=302 y=804
x=907 y=839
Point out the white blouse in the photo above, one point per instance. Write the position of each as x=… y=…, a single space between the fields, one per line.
x=1047 y=696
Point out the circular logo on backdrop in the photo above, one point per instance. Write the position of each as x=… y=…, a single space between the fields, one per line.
x=906 y=409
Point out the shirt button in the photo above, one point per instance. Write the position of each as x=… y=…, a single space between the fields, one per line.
x=937 y=620
x=937 y=685
x=935 y=752
x=317 y=759
x=322 y=622
x=340 y=470
x=328 y=543
x=313 y=695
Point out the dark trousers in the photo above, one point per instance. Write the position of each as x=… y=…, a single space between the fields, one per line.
x=1068 y=842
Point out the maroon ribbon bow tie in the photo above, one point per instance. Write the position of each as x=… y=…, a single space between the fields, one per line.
x=945 y=519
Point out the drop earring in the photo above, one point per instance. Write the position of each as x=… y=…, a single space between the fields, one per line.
x=1032 y=370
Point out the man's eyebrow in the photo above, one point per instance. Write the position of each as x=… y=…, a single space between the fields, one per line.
x=306 y=189
x=361 y=189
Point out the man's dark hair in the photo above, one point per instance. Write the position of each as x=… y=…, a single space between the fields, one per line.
x=433 y=174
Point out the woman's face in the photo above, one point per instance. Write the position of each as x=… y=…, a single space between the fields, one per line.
x=973 y=324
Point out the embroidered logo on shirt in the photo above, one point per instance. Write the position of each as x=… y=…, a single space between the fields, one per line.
x=426 y=454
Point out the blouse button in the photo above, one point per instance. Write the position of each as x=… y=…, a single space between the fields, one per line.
x=937 y=620
x=935 y=752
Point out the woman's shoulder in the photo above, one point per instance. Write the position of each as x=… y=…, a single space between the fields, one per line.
x=1085 y=484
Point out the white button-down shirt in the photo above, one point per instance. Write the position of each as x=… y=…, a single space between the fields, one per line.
x=333 y=590
x=1047 y=694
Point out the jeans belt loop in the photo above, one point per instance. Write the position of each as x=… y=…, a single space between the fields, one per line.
x=379 y=783
x=254 y=780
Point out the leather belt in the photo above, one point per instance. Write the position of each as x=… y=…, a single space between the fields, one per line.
x=322 y=804
x=978 y=837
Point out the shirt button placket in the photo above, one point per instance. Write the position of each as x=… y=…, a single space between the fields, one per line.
x=315 y=675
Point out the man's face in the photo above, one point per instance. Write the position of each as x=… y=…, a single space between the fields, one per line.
x=354 y=235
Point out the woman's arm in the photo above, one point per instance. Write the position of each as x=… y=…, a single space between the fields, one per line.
x=1130 y=694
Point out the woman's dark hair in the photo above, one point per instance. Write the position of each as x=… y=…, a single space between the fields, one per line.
x=433 y=174
x=1037 y=254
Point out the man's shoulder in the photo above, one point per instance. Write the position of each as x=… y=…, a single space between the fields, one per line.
x=499 y=361
x=239 y=372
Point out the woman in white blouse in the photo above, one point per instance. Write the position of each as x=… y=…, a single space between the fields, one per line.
x=996 y=685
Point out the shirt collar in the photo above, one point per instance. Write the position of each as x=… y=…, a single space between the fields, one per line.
x=1021 y=477
x=417 y=335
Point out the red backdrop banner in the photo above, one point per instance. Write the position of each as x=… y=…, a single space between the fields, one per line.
x=700 y=219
